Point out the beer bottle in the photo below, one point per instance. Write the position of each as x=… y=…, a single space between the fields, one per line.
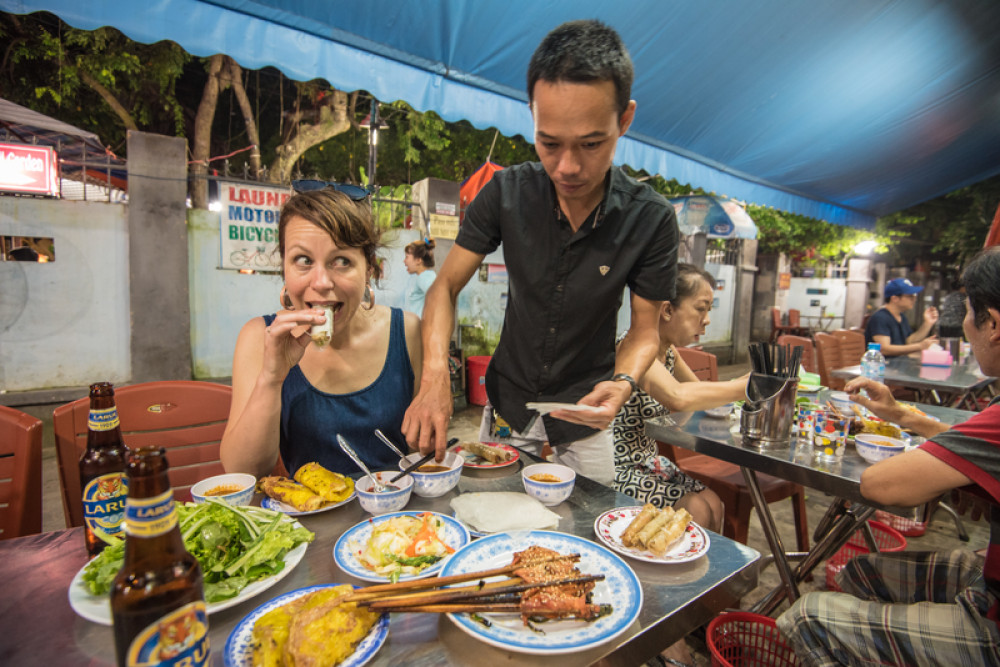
x=102 y=470
x=157 y=601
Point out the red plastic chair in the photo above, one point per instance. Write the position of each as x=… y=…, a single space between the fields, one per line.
x=852 y=346
x=705 y=365
x=20 y=474
x=828 y=359
x=808 y=350
x=185 y=417
x=777 y=328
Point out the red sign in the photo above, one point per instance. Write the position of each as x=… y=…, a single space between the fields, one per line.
x=29 y=169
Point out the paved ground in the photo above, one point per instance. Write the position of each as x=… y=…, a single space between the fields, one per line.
x=941 y=533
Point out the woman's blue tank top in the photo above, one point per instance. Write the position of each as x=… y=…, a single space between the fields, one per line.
x=311 y=419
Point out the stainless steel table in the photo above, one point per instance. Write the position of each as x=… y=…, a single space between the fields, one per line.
x=957 y=385
x=794 y=462
x=40 y=627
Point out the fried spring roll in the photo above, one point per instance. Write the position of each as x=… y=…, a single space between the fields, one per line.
x=638 y=523
x=661 y=519
x=331 y=486
x=322 y=333
x=670 y=533
x=488 y=452
x=291 y=493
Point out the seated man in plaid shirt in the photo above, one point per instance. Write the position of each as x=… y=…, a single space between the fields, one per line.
x=921 y=608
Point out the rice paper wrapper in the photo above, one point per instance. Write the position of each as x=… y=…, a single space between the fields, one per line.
x=501 y=511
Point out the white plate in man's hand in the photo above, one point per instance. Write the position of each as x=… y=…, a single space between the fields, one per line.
x=546 y=408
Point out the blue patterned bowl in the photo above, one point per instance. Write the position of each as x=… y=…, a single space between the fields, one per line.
x=549 y=493
x=242 y=495
x=434 y=484
x=388 y=501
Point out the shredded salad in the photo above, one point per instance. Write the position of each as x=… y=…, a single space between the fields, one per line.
x=235 y=546
x=404 y=545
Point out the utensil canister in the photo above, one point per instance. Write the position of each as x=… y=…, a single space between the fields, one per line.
x=767 y=419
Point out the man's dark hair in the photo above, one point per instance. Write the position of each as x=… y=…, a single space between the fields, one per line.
x=982 y=283
x=583 y=52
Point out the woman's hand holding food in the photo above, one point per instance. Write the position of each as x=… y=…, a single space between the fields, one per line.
x=286 y=340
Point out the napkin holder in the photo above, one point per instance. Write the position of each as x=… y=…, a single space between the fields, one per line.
x=935 y=357
x=769 y=410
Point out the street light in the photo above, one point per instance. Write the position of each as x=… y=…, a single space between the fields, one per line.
x=374 y=124
x=865 y=247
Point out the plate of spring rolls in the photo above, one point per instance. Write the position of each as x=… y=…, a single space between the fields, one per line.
x=313 y=489
x=652 y=534
x=487 y=454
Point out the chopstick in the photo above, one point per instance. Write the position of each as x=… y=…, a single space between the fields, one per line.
x=511 y=607
x=834 y=410
x=379 y=590
x=445 y=595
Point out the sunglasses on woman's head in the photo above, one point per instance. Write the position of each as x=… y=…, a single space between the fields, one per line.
x=355 y=192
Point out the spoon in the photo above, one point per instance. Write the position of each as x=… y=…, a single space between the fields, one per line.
x=382 y=436
x=347 y=449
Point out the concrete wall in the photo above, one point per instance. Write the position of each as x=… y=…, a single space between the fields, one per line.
x=65 y=323
x=158 y=253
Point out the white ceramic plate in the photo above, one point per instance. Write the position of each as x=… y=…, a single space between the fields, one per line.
x=353 y=541
x=239 y=645
x=97 y=608
x=545 y=408
x=271 y=504
x=720 y=412
x=620 y=588
x=693 y=544
x=474 y=461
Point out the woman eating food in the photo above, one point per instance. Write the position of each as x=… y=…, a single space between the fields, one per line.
x=670 y=385
x=330 y=361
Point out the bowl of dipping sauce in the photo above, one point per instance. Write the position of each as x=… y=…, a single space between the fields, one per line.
x=874 y=448
x=548 y=483
x=434 y=479
x=236 y=488
x=392 y=499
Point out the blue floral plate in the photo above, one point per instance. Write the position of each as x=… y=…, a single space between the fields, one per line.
x=239 y=646
x=620 y=588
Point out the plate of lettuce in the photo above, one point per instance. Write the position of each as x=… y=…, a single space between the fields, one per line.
x=242 y=551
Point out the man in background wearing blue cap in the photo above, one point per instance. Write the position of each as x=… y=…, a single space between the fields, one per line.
x=891 y=330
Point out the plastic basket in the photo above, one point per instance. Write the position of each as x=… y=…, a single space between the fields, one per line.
x=906 y=527
x=888 y=540
x=743 y=639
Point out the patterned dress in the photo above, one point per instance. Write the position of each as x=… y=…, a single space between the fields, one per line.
x=640 y=471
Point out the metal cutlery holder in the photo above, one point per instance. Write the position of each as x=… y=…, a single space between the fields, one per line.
x=768 y=412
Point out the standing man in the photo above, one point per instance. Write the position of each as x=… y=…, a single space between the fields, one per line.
x=575 y=232
x=890 y=329
x=920 y=608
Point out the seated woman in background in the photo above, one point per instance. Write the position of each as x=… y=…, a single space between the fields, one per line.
x=293 y=396
x=670 y=386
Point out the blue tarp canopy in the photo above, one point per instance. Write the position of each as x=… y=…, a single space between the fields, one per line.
x=842 y=110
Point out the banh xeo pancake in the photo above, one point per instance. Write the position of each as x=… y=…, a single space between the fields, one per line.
x=331 y=486
x=291 y=493
x=315 y=629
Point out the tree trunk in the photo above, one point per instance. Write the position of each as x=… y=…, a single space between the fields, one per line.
x=110 y=98
x=203 y=134
x=236 y=79
x=333 y=120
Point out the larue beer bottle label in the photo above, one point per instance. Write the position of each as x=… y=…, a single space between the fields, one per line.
x=104 y=503
x=103 y=420
x=149 y=517
x=179 y=638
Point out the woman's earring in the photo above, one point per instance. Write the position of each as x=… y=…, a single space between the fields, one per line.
x=286 y=301
x=369 y=297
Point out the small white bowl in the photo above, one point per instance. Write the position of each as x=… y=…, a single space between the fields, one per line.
x=242 y=496
x=874 y=448
x=549 y=493
x=389 y=501
x=842 y=401
x=434 y=484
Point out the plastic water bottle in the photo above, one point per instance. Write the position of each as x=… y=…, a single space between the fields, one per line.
x=873 y=363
